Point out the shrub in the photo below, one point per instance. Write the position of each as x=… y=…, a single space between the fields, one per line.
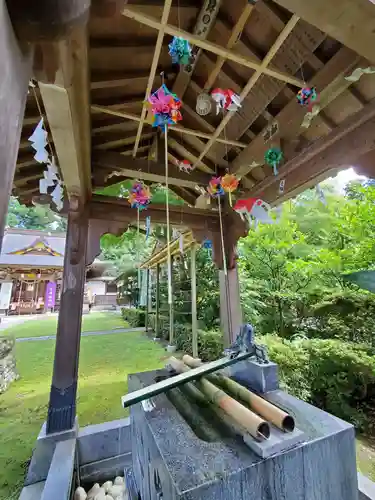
x=210 y=343
x=135 y=317
x=163 y=331
x=336 y=376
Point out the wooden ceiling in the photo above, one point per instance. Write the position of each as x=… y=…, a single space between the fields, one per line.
x=259 y=49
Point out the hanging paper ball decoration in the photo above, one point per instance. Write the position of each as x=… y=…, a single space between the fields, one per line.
x=229 y=183
x=273 y=157
x=226 y=100
x=215 y=189
x=180 y=51
x=165 y=107
x=139 y=196
x=307 y=96
x=204 y=104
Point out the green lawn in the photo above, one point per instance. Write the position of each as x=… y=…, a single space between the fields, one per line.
x=105 y=362
x=92 y=322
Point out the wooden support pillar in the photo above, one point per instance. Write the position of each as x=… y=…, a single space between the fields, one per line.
x=230 y=305
x=62 y=403
x=16 y=64
x=157 y=299
x=194 y=320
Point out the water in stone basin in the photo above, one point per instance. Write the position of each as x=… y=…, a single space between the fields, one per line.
x=109 y=490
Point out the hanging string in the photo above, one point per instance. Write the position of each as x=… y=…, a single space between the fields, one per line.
x=222 y=239
x=169 y=261
x=138 y=259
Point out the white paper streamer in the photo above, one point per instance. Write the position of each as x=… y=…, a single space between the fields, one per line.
x=310 y=116
x=357 y=73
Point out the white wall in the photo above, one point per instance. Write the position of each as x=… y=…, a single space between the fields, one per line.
x=96 y=287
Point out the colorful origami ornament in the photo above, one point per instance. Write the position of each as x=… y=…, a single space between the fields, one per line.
x=254 y=210
x=139 y=196
x=185 y=166
x=225 y=99
x=165 y=107
x=229 y=183
x=307 y=96
x=273 y=157
x=215 y=189
x=180 y=51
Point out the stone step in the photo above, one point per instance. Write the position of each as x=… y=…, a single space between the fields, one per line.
x=33 y=491
x=59 y=480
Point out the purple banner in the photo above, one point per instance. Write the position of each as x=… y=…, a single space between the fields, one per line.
x=50 y=295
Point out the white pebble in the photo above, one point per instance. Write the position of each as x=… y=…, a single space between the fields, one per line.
x=94 y=490
x=100 y=495
x=119 y=480
x=107 y=486
x=117 y=490
x=80 y=494
x=108 y=497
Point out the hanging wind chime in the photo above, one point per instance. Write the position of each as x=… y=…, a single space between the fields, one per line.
x=225 y=100
x=185 y=166
x=273 y=158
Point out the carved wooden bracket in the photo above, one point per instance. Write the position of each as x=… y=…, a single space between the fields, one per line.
x=97 y=228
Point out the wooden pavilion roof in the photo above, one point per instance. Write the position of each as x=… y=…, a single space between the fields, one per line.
x=92 y=87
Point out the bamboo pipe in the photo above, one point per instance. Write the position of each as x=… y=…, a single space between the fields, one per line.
x=271 y=413
x=253 y=424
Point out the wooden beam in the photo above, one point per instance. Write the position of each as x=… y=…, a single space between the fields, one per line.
x=290 y=117
x=351 y=22
x=119 y=211
x=154 y=65
x=148 y=170
x=120 y=142
x=16 y=71
x=211 y=47
x=235 y=34
x=66 y=102
x=254 y=78
x=187 y=155
x=365 y=164
x=194 y=317
x=352 y=138
x=185 y=195
x=177 y=128
x=205 y=21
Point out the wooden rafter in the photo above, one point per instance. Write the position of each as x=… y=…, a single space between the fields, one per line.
x=147 y=170
x=352 y=138
x=254 y=78
x=352 y=22
x=290 y=117
x=211 y=47
x=235 y=34
x=177 y=128
x=66 y=102
x=202 y=29
x=154 y=65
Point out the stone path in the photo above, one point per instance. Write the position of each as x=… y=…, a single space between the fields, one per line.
x=86 y=334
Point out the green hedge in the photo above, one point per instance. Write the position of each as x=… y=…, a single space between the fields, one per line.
x=163 y=331
x=210 y=344
x=135 y=317
x=336 y=376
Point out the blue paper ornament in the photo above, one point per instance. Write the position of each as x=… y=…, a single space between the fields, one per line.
x=180 y=51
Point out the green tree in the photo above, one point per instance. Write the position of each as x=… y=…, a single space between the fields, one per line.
x=34 y=217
